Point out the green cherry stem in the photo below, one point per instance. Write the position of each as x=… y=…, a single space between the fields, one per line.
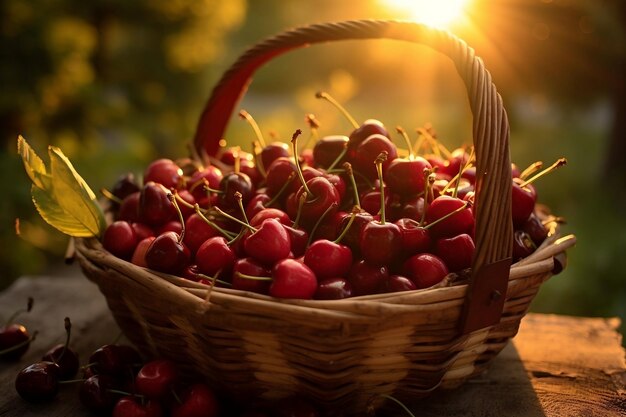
x=559 y=163
x=214 y=279
x=379 y=169
x=348 y=116
x=29 y=306
x=348 y=167
x=427 y=173
x=531 y=169
x=180 y=216
x=403 y=133
x=110 y=196
x=294 y=146
x=282 y=190
x=462 y=169
x=253 y=277
x=319 y=221
x=236 y=220
x=339 y=157
x=227 y=234
x=452 y=213
x=248 y=118
x=239 y=199
x=259 y=162
x=21 y=344
x=301 y=201
x=355 y=210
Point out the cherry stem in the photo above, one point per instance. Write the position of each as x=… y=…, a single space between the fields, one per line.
x=29 y=307
x=239 y=198
x=110 y=196
x=294 y=146
x=348 y=167
x=227 y=234
x=182 y=201
x=339 y=157
x=72 y=381
x=311 y=120
x=180 y=216
x=379 y=169
x=215 y=280
x=259 y=162
x=452 y=213
x=21 y=344
x=355 y=210
x=403 y=133
x=319 y=221
x=117 y=391
x=253 y=277
x=427 y=173
x=404 y=407
x=559 y=163
x=237 y=156
x=282 y=190
x=531 y=169
x=245 y=115
x=236 y=220
x=176 y=397
x=339 y=107
x=462 y=169
x=301 y=201
x=68 y=334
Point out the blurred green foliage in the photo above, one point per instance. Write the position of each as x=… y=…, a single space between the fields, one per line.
x=116 y=84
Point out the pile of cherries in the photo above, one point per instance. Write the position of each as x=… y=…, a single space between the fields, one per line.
x=337 y=217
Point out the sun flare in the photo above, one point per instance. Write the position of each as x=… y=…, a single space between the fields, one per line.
x=438 y=13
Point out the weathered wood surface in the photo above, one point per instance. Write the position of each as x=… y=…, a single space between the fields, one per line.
x=556 y=365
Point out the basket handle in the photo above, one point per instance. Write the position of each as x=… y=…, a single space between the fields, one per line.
x=494 y=230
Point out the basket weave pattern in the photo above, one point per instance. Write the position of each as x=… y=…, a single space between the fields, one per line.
x=344 y=353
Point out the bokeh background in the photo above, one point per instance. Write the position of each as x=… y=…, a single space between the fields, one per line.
x=116 y=84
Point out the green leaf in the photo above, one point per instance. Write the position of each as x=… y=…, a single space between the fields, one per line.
x=55 y=216
x=73 y=195
x=33 y=165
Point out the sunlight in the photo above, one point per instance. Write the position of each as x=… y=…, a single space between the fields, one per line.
x=438 y=13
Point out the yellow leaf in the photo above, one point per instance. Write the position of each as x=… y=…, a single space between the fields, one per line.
x=72 y=194
x=33 y=165
x=55 y=216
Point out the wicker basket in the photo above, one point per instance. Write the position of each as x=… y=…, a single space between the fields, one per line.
x=343 y=354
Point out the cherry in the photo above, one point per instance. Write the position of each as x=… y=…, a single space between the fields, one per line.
x=235 y=182
x=156 y=378
x=186 y=202
x=129 y=208
x=245 y=268
x=273 y=151
x=397 y=283
x=120 y=239
x=197 y=231
x=328 y=149
x=155 y=208
x=130 y=407
x=299 y=240
x=415 y=238
x=278 y=173
x=125 y=186
x=535 y=228
x=333 y=289
x=404 y=176
x=328 y=259
x=14 y=338
x=367 y=152
x=197 y=401
x=142 y=231
x=380 y=242
x=114 y=360
x=139 y=255
x=368 y=128
x=457 y=252
x=38 y=382
x=270 y=213
x=367 y=279
x=215 y=255
x=167 y=253
x=210 y=175
x=523 y=245
x=269 y=243
x=461 y=222
x=292 y=279
x=98 y=393
x=165 y=172
x=171 y=226
x=62 y=355
x=425 y=270
x=370 y=201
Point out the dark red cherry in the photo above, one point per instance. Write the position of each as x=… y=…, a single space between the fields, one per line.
x=397 y=283
x=38 y=382
x=380 y=243
x=367 y=152
x=125 y=186
x=292 y=279
x=168 y=254
x=405 y=176
x=353 y=235
x=278 y=173
x=269 y=244
x=328 y=259
x=333 y=289
x=415 y=238
x=535 y=228
x=96 y=393
x=197 y=231
x=457 y=252
x=213 y=177
x=215 y=255
x=523 y=245
x=198 y=400
x=368 y=128
x=67 y=361
x=120 y=239
x=425 y=270
x=328 y=149
x=257 y=203
x=249 y=266
x=156 y=378
x=272 y=152
x=523 y=201
x=321 y=197
x=367 y=279
x=270 y=213
x=129 y=209
x=12 y=336
x=165 y=172
x=133 y=407
x=456 y=224
x=452 y=166
x=232 y=183
x=115 y=360
x=155 y=208
x=299 y=240
x=139 y=255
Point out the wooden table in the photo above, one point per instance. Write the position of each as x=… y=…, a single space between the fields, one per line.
x=556 y=365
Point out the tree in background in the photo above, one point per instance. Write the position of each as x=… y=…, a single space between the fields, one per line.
x=114 y=83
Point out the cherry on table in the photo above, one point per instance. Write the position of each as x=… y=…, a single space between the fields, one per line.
x=131 y=406
x=198 y=400
x=14 y=338
x=38 y=382
x=64 y=356
x=98 y=392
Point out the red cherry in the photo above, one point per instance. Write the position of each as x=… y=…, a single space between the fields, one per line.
x=142 y=231
x=452 y=166
x=299 y=240
x=171 y=226
x=197 y=231
x=12 y=336
x=156 y=378
x=397 y=283
x=523 y=245
x=120 y=239
x=321 y=196
x=213 y=177
x=115 y=360
x=535 y=228
x=256 y=204
x=328 y=149
x=380 y=243
x=523 y=201
x=425 y=270
x=269 y=243
x=272 y=152
x=197 y=401
x=292 y=279
x=368 y=151
x=215 y=255
x=131 y=407
x=406 y=176
x=96 y=393
x=278 y=173
x=352 y=236
x=165 y=172
x=65 y=358
x=38 y=382
x=368 y=128
x=415 y=238
x=333 y=289
x=168 y=254
x=456 y=224
x=187 y=209
x=270 y=213
x=367 y=279
x=328 y=259
x=457 y=252
x=232 y=183
x=155 y=208
x=249 y=266
x=139 y=255
x=129 y=209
